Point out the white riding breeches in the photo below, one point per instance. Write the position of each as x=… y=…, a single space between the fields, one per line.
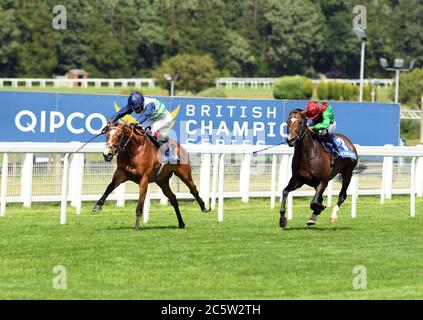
x=329 y=130
x=161 y=124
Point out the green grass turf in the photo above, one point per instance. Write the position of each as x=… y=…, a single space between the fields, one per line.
x=247 y=256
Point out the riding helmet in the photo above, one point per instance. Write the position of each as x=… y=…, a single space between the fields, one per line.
x=313 y=110
x=136 y=100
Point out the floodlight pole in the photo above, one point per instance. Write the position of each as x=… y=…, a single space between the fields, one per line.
x=397 y=85
x=363 y=52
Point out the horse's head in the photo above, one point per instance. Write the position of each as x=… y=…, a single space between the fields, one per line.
x=297 y=127
x=115 y=141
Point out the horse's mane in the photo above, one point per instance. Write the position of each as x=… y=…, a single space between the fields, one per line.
x=296 y=111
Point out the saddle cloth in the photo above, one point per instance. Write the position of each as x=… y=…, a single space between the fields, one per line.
x=344 y=149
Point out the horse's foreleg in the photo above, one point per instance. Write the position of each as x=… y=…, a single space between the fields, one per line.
x=346 y=179
x=140 y=206
x=292 y=185
x=164 y=185
x=118 y=178
x=316 y=204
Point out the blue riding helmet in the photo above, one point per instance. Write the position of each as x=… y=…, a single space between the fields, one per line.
x=136 y=101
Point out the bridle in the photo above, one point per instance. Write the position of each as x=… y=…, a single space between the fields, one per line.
x=300 y=136
x=121 y=147
x=302 y=133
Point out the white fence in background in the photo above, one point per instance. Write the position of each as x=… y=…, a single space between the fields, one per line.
x=255 y=83
x=70 y=83
x=214 y=174
x=228 y=83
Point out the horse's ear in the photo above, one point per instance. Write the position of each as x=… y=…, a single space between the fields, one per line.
x=110 y=122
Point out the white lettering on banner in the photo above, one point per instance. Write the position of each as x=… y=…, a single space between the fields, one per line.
x=187 y=128
x=223 y=129
x=240 y=131
x=190 y=110
x=271 y=113
x=43 y=121
x=205 y=110
x=271 y=133
x=243 y=112
x=283 y=128
x=205 y=127
x=29 y=126
x=219 y=110
x=257 y=113
x=231 y=110
x=89 y=120
x=56 y=121
x=258 y=126
x=69 y=122
x=56 y=125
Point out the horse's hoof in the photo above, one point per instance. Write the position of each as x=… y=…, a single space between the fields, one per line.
x=136 y=228
x=97 y=208
x=333 y=220
x=283 y=223
x=311 y=222
x=182 y=225
x=206 y=210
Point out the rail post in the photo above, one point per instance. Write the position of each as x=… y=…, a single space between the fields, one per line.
x=221 y=185
x=26 y=180
x=64 y=196
x=273 y=183
x=244 y=178
x=214 y=181
x=413 y=188
x=205 y=178
x=4 y=174
x=146 y=208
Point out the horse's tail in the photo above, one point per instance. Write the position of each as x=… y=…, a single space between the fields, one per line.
x=360 y=168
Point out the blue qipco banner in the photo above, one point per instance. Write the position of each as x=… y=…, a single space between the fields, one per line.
x=46 y=117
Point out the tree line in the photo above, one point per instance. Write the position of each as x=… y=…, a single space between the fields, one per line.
x=252 y=38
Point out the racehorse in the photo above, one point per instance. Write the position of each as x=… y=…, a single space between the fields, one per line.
x=314 y=166
x=138 y=160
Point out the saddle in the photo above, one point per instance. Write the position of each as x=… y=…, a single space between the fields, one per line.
x=329 y=145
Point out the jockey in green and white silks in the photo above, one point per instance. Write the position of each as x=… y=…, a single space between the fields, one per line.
x=154 y=116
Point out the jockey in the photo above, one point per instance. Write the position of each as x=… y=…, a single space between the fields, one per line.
x=154 y=116
x=323 y=121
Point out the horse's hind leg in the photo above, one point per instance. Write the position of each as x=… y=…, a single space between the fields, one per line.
x=316 y=204
x=346 y=179
x=118 y=178
x=186 y=177
x=164 y=185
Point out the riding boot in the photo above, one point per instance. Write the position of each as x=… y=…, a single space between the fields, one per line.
x=330 y=138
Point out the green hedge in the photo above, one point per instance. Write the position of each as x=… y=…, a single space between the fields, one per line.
x=323 y=90
x=293 y=87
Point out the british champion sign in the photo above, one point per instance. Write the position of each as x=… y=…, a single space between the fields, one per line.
x=44 y=117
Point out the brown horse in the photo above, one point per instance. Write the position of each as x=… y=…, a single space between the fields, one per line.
x=138 y=160
x=313 y=165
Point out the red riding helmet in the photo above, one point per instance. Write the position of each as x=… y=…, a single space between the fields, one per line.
x=313 y=110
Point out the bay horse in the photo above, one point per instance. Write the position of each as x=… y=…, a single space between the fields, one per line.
x=314 y=166
x=138 y=160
